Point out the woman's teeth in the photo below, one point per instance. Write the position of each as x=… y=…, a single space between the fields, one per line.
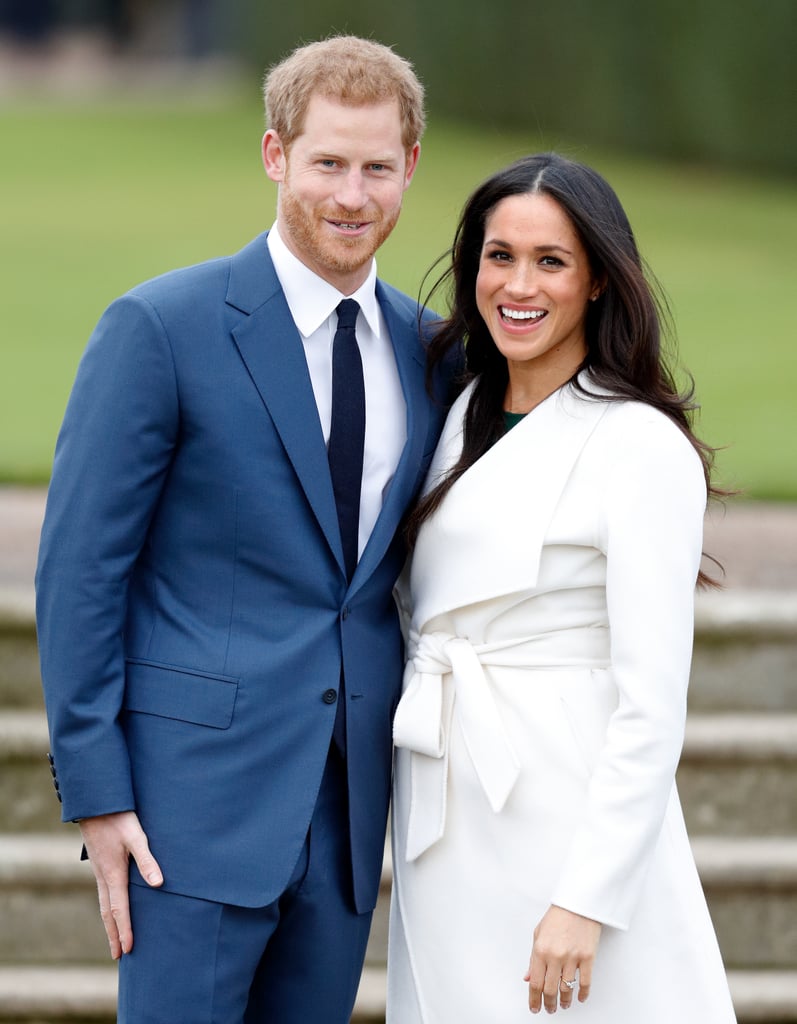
x=522 y=314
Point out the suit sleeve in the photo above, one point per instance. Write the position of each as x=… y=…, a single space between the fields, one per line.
x=112 y=456
x=651 y=534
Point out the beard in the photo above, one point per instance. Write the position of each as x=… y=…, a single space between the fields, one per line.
x=302 y=227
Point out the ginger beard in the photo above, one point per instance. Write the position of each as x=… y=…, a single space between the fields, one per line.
x=321 y=246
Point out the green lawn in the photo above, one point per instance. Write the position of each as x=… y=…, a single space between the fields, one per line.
x=96 y=198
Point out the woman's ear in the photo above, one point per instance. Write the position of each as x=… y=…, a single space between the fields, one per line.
x=597 y=289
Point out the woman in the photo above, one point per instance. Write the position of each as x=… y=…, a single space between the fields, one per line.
x=551 y=586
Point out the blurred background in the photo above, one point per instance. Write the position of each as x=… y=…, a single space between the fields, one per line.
x=129 y=144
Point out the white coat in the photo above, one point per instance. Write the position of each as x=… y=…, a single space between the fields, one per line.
x=542 y=721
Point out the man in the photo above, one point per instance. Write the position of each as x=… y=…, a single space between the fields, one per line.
x=214 y=590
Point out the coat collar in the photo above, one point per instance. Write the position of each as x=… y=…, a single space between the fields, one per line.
x=503 y=505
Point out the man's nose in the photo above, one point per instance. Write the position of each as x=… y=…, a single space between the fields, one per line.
x=351 y=193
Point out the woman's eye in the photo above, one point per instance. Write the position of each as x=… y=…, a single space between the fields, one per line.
x=551 y=261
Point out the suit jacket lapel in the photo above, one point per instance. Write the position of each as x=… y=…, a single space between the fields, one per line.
x=411 y=363
x=271 y=347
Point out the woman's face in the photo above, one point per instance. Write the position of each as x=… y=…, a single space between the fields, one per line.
x=533 y=285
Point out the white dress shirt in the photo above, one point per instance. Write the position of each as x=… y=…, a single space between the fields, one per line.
x=313 y=303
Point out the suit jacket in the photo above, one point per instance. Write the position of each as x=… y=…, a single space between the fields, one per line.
x=192 y=603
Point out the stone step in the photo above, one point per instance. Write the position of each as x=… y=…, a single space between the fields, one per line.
x=27 y=798
x=738 y=774
x=49 y=912
x=764 y=997
x=745 y=655
x=20 y=679
x=48 y=902
x=751 y=890
x=79 y=995
x=87 y=995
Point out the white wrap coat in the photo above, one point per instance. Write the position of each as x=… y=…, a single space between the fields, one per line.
x=541 y=723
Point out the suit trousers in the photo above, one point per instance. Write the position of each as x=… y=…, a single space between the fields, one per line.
x=295 y=961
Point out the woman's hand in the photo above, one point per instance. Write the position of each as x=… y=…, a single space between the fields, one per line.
x=564 y=943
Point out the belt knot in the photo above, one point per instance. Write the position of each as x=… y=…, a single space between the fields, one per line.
x=438 y=661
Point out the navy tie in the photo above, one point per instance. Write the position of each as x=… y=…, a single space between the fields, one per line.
x=347 y=430
x=345 y=453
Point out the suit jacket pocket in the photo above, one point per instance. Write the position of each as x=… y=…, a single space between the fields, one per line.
x=181 y=693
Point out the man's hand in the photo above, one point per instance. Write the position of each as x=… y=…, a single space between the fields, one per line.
x=563 y=944
x=110 y=840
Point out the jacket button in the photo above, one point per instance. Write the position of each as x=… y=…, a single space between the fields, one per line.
x=330 y=696
x=345 y=612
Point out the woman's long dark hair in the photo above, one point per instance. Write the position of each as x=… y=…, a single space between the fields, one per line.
x=624 y=326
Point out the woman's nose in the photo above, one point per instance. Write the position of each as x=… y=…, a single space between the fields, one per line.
x=522 y=282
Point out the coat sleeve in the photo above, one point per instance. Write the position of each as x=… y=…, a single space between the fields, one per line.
x=651 y=534
x=111 y=459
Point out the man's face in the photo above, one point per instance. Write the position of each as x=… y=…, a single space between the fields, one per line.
x=341 y=185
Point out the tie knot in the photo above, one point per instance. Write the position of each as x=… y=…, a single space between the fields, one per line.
x=347 y=313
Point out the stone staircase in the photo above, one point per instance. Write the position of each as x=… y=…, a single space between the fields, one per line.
x=738 y=781
x=738 y=784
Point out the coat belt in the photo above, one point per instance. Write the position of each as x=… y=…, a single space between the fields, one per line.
x=438 y=660
x=444 y=669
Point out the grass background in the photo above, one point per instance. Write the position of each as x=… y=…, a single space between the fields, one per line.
x=98 y=197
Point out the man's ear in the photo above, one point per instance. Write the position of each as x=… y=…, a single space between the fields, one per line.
x=275 y=158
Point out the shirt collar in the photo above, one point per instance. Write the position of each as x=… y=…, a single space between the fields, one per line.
x=310 y=298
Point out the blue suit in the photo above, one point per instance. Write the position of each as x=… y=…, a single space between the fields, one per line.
x=192 y=602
